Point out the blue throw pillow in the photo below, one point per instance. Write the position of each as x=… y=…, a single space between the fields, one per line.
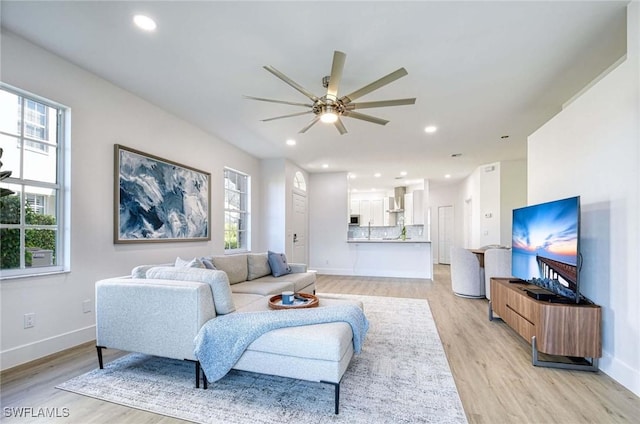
x=278 y=264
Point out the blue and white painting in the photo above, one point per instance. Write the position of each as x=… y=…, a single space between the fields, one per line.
x=159 y=200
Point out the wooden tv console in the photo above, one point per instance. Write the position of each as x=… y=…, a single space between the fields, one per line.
x=567 y=330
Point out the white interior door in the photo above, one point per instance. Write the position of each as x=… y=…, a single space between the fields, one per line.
x=299 y=241
x=445 y=234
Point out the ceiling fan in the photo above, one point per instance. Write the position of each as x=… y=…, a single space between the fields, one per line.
x=330 y=108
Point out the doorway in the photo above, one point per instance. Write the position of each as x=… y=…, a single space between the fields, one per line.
x=299 y=240
x=445 y=234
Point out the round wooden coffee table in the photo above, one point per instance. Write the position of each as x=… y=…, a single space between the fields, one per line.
x=275 y=302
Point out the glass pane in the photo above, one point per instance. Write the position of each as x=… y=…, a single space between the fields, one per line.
x=231 y=230
x=9 y=112
x=10 y=248
x=10 y=205
x=10 y=155
x=40 y=247
x=41 y=205
x=40 y=162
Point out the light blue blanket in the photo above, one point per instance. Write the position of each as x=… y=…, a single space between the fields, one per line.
x=222 y=340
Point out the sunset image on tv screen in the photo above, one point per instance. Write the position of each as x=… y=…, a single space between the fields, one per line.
x=545 y=241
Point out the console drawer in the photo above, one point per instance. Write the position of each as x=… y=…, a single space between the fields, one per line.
x=521 y=325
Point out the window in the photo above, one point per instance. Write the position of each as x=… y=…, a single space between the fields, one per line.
x=236 y=211
x=299 y=182
x=33 y=215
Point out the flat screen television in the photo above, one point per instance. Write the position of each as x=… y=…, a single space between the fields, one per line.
x=546 y=246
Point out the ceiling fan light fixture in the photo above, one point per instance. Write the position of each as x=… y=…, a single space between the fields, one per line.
x=329 y=116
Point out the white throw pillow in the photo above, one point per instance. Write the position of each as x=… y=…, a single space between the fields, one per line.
x=220 y=288
x=193 y=263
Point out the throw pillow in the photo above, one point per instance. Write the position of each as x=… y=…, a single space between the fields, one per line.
x=258 y=265
x=217 y=280
x=193 y=263
x=278 y=264
x=207 y=261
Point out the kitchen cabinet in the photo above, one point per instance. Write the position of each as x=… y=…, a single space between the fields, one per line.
x=371 y=212
x=414 y=208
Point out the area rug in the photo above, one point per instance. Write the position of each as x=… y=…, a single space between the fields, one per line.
x=401 y=376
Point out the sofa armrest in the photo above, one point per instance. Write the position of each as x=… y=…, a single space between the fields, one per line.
x=298 y=267
x=152 y=316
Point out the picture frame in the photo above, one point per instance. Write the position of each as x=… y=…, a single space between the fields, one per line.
x=159 y=200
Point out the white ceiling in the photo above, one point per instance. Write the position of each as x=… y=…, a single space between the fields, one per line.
x=479 y=70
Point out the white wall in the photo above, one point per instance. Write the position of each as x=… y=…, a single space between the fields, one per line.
x=328 y=211
x=513 y=194
x=591 y=149
x=101 y=116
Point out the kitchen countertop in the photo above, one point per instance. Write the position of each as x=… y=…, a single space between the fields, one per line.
x=365 y=240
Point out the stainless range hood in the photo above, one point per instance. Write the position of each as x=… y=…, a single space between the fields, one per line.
x=398 y=200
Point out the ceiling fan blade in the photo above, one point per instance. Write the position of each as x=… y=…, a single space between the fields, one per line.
x=291 y=82
x=309 y=125
x=284 y=102
x=364 y=117
x=336 y=74
x=287 y=116
x=382 y=103
x=374 y=85
x=340 y=126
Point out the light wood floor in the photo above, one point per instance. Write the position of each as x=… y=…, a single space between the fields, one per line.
x=490 y=363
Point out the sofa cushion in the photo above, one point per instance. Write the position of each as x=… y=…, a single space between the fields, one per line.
x=298 y=281
x=217 y=280
x=258 y=265
x=262 y=288
x=234 y=265
x=278 y=264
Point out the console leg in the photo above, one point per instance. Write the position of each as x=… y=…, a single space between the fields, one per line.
x=99 y=349
x=491 y=315
x=337 y=394
x=204 y=381
x=587 y=364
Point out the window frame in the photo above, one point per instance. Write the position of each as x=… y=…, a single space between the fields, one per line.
x=245 y=214
x=61 y=186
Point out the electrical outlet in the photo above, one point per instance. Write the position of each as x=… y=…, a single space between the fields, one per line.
x=86 y=306
x=29 y=320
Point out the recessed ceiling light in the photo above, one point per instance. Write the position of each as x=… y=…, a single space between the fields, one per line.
x=431 y=129
x=325 y=165
x=144 y=22
x=403 y=173
x=447 y=176
x=291 y=142
x=352 y=176
x=377 y=175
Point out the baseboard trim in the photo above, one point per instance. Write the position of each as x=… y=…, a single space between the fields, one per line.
x=373 y=273
x=620 y=372
x=30 y=352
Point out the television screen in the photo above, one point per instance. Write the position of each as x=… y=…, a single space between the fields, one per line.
x=545 y=242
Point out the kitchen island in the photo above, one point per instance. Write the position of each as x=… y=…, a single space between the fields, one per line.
x=410 y=258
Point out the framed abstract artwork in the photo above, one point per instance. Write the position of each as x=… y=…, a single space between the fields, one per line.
x=158 y=200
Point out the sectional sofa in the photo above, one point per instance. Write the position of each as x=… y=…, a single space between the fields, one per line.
x=159 y=310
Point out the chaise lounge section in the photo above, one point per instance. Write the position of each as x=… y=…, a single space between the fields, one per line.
x=162 y=314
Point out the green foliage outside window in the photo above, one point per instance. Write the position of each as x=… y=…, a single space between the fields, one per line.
x=34 y=237
x=230 y=236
